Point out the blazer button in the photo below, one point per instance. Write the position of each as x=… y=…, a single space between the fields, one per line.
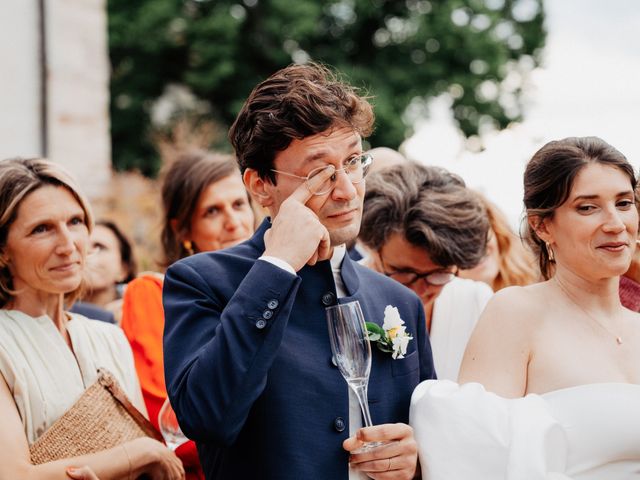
x=267 y=314
x=273 y=304
x=328 y=299
x=339 y=424
x=261 y=323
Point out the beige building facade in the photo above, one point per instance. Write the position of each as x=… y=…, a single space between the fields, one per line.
x=54 y=87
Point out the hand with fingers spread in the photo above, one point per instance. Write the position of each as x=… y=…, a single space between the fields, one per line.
x=397 y=460
x=296 y=235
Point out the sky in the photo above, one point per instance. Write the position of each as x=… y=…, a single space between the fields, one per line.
x=588 y=84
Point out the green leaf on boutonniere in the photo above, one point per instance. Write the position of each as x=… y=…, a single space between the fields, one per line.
x=383 y=347
x=374 y=329
x=377 y=335
x=374 y=337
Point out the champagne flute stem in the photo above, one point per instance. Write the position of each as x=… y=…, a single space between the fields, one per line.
x=361 y=393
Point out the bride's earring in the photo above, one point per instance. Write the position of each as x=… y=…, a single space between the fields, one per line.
x=552 y=257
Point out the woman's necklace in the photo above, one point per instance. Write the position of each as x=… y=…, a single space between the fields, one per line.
x=594 y=319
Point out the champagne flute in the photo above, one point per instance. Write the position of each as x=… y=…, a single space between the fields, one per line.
x=169 y=427
x=352 y=353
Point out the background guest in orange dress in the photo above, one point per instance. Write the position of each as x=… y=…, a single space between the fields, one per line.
x=206 y=207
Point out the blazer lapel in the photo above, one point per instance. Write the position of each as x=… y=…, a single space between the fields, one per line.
x=349 y=276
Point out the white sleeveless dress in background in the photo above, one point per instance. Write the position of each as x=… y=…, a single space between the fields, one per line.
x=586 y=432
x=455 y=314
x=42 y=372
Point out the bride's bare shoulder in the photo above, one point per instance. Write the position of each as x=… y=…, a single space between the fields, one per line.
x=499 y=349
x=517 y=307
x=520 y=298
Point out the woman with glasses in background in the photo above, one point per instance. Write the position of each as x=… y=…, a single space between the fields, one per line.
x=421 y=225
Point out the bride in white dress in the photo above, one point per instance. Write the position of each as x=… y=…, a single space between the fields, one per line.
x=549 y=386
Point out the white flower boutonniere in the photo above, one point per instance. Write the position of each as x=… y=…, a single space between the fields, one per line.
x=392 y=337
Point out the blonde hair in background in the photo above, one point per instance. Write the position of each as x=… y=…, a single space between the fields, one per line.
x=516 y=265
x=18 y=178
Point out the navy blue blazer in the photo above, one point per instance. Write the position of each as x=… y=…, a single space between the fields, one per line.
x=93 y=312
x=248 y=362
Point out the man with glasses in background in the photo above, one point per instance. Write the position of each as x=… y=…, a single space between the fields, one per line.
x=248 y=361
x=421 y=224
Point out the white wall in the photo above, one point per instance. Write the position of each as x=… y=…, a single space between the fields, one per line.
x=19 y=80
x=77 y=86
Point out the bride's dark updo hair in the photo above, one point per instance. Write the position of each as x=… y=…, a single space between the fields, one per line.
x=550 y=175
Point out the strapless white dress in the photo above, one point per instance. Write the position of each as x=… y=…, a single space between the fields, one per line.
x=587 y=432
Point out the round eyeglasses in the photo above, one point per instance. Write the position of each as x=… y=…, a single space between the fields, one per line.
x=356 y=168
x=436 y=278
x=432 y=278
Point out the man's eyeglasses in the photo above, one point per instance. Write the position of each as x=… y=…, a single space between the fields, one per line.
x=436 y=278
x=356 y=168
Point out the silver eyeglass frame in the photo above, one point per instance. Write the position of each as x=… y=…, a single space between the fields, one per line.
x=365 y=162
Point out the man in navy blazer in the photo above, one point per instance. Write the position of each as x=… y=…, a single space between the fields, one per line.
x=248 y=361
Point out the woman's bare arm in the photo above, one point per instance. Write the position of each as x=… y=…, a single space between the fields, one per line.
x=129 y=460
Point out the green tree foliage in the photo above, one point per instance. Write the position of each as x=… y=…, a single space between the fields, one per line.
x=402 y=52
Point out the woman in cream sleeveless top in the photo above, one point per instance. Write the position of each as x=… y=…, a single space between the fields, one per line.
x=45 y=375
x=48 y=357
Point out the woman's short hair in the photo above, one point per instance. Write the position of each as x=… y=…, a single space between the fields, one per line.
x=18 y=178
x=126 y=250
x=549 y=178
x=431 y=208
x=294 y=103
x=182 y=183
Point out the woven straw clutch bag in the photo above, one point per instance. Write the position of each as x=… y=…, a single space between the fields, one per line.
x=102 y=418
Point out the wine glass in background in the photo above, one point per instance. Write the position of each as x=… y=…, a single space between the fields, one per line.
x=169 y=427
x=352 y=353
